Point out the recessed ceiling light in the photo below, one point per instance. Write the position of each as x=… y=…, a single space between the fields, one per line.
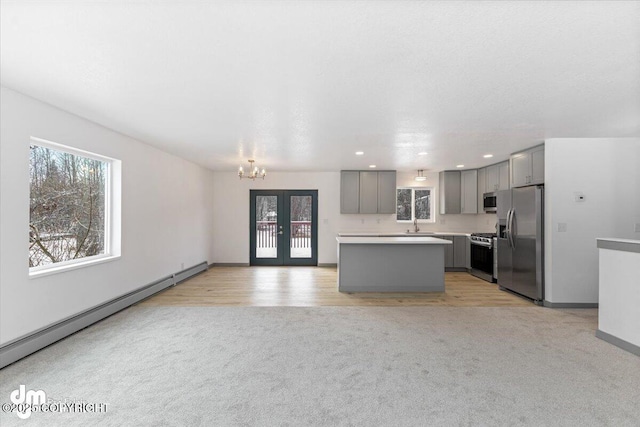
x=359 y=153
x=422 y=153
x=488 y=156
x=459 y=166
x=372 y=166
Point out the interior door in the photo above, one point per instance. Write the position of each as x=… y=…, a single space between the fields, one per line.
x=284 y=227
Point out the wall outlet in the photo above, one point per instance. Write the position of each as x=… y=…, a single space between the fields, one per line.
x=443 y=221
x=562 y=227
x=362 y=221
x=378 y=221
x=325 y=221
x=182 y=266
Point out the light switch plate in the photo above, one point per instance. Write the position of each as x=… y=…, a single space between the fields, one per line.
x=562 y=227
x=637 y=227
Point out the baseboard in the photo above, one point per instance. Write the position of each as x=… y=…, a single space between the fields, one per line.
x=571 y=304
x=618 y=342
x=24 y=346
x=327 y=265
x=229 y=264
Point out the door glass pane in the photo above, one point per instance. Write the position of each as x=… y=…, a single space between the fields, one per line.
x=266 y=226
x=300 y=236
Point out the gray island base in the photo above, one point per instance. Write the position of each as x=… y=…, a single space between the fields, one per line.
x=391 y=264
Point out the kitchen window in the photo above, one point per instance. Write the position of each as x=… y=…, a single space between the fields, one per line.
x=415 y=203
x=71 y=214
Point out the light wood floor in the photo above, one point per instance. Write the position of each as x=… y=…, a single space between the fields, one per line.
x=313 y=286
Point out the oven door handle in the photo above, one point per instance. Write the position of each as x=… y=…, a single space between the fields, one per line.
x=483 y=244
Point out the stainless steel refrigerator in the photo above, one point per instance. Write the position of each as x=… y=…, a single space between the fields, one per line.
x=521 y=241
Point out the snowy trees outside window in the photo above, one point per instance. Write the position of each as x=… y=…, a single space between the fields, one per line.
x=68 y=206
x=415 y=203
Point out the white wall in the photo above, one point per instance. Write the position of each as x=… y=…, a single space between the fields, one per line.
x=231 y=218
x=607 y=172
x=167 y=206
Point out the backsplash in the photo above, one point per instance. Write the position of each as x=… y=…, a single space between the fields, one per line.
x=480 y=223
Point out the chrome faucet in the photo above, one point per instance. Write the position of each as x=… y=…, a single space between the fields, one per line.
x=415 y=225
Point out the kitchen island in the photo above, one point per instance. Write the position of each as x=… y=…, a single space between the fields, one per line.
x=619 y=293
x=391 y=264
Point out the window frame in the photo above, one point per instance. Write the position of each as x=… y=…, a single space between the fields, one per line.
x=432 y=212
x=111 y=244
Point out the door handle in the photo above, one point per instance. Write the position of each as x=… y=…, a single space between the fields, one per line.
x=280 y=232
x=511 y=239
x=508 y=231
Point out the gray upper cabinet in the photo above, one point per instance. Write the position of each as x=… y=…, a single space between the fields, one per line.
x=367 y=192
x=482 y=173
x=503 y=175
x=386 y=192
x=537 y=165
x=527 y=167
x=349 y=192
x=497 y=177
x=469 y=191
x=449 y=190
x=492 y=180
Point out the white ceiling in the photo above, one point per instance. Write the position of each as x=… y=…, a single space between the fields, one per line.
x=303 y=85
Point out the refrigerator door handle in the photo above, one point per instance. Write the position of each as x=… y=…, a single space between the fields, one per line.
x=512 y=240
x=508 y=230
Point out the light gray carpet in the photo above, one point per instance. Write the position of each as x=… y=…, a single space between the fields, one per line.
x=408 y=366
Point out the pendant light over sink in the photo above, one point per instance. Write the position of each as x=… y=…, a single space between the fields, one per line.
x=420 y=177
x=254 y=171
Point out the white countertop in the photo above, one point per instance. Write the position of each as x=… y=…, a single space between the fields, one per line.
x=625 y=245
x=402 y=234
x=388 y=240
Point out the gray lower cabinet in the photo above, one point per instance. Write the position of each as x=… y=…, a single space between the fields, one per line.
x=448 y=252
x=367 y=192
x=460 y=251
x=456 y=256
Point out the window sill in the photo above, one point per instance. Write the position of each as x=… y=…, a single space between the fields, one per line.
x=55 y=269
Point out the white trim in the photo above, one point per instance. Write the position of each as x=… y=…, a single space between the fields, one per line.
x=71 y=150
x=413 y=202
x=72 y=264
x=111 y=251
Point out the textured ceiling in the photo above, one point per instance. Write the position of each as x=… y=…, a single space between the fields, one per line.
x=303 y=85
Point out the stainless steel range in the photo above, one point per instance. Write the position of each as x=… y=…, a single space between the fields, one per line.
x=482 y=255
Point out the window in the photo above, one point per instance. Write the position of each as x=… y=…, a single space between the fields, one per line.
x=415 y=203
x=70 y=201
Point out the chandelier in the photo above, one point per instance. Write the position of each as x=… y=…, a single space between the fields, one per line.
x=420 y=177
x=254 y=172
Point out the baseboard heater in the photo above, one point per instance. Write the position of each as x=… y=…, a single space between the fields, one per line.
x=24 y=346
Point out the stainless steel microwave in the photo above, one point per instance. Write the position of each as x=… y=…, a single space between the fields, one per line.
x=489 y=203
